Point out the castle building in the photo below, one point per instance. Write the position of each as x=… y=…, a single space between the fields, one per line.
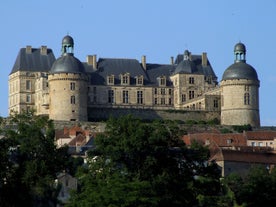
x=70 y=90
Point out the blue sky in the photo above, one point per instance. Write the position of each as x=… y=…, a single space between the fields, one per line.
x=158 y=29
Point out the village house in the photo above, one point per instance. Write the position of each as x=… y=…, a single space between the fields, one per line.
x=238 y=152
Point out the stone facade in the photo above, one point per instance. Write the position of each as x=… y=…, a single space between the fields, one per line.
x=66 y=89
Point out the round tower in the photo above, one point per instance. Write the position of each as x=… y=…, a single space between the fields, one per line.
x=240 y=92
x=68 y=86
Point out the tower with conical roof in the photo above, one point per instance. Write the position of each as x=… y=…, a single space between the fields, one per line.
x=240 y=92
x=68 y=86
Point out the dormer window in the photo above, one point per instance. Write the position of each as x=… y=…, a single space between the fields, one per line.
x=125 y=79
x=139 y=80
x=110 y=80
x=162 y=81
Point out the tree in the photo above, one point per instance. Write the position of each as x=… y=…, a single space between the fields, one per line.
x=29 y=161
x=141 y=164
x=255 y=189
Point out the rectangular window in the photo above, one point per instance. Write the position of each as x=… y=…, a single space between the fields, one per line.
x=191 y=80
x=163 y=91
x=170 y=91
x=72 y=86
x=110 y=80
x=125 y=79
x=162 y=81
x=155 y=101
x=29 y=98
x=28 y=85
x=155 y=91
x=73 y=100
x=163 y=101
x=140 y=97
x=110 y=96
x=139 y=80
x=246 y=99
x=183 y=98
x=191 y=94
x=215 y=103
x=170 y=101
x=125 y=97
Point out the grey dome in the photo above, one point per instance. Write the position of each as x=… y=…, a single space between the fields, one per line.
x=67 y=64
x=185 y=66
x=68 y=40
x=240 y=70
x=240 y=47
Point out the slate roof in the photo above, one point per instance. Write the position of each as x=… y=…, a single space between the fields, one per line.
x=108 y=66
x=67 y=64
x=195 y=64
x=240 y=70
x=117 y=66
x=34 y=61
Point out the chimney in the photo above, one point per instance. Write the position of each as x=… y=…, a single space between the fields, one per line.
x=89 y=59
x=204 y=59
x=43 y=50
x=144 y=62
x=28 y=49
x=94 y=61
x=172 y=60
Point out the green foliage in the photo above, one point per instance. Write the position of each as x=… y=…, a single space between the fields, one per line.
x=255 y=189
x=141 y=164
x=241 y=128
x=214 y=121
x=191 y=122
x=29 y=161
x=225 y=131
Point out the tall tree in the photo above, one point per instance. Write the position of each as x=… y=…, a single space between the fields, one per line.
x=29 y=161
x=140 y=164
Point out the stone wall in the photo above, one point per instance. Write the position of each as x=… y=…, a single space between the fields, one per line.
x=96 y=114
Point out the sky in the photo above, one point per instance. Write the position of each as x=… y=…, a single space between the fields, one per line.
x=158 y=29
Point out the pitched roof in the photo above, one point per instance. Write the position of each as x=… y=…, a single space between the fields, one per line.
x=245 y=156
x=33 y=61
x=197 y=68
x=260 y=135
x=220 y=140
x=116 y=67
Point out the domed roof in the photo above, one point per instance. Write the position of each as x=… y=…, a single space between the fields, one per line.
x=240 y=70
x=185 y=66
x=68 y=40
x=67 y=64
x=240 y=47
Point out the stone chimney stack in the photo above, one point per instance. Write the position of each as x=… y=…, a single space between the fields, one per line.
x=94 y=61
x=204 y=59
x=43 y=50
x=172 y=60
x=144 y=62
x=28 y=49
